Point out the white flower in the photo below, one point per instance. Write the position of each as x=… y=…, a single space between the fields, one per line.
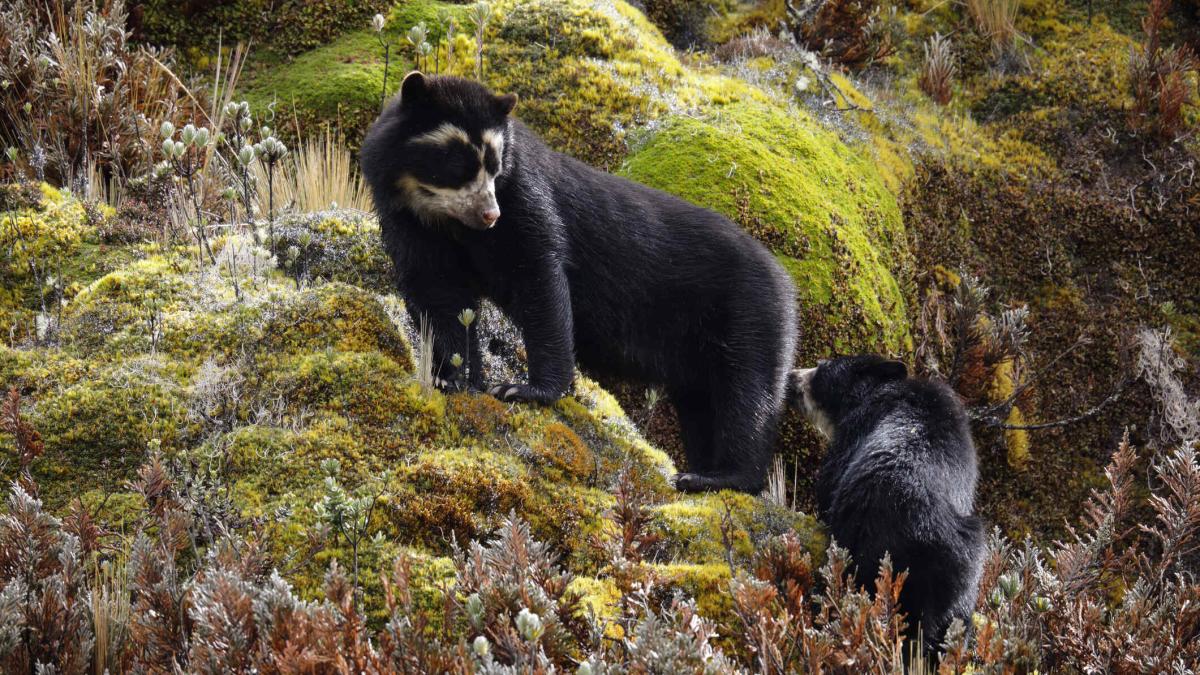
x=481 y=646
x=377 y=22
x=802 y=83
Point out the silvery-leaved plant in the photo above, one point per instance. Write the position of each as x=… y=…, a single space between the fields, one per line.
x=529 y=625
x=246 y=155
x=417 y=34
x=271 y=149
x=167 y=130
x=474 y=609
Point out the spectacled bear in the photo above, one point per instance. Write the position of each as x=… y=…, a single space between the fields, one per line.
x=631 y=282
x=898 y=477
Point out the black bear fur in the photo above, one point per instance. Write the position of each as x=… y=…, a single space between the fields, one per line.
x=629 y=281
x=898 y=477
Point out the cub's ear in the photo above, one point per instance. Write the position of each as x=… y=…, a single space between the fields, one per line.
x=413 y=89
x=890 y=370
x=505 y=104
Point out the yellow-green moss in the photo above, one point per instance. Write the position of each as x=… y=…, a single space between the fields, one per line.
x=96 y=431
x=1016 y=441
x=697 y=528
x=707 y=584
x=820 y=206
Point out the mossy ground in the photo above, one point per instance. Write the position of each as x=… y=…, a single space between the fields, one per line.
x=255 y=378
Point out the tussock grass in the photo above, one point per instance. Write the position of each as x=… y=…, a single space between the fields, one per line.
x=322 y=174
x=996 y=20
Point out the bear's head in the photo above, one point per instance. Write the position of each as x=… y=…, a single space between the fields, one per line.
x=836 y=386
x=438 y=148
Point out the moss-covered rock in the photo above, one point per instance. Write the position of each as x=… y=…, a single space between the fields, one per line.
x=258 y=382
x=819 y=205
x=711 y=528
x=586 y=72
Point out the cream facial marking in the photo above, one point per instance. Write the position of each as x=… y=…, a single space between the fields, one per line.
x=443 y=135
x=814 y=413
x=467 y=204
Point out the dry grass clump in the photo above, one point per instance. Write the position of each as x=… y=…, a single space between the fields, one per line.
x=937 y=72
x=996 y=20
x=323 y=175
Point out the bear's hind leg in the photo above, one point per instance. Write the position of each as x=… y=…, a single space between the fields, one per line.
x=744 y=414
x=695 y=427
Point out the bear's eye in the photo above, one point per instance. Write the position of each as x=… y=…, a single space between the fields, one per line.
x=490 y=161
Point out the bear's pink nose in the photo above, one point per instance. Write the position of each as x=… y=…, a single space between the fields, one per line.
x=490 y=217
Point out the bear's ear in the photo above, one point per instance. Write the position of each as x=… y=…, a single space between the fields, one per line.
x=889 y=370
x=505 y=104
x=413 y=89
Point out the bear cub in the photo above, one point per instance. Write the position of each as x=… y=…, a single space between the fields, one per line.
x=623 y=279
x=898 y=477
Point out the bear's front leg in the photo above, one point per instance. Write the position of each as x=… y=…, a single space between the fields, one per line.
x=542 y=309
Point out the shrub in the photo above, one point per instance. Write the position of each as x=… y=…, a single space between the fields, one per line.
x=98 y=98
x=1161 y=79
x=854 y=33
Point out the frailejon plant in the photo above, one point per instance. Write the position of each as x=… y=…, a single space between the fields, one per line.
x=416 y=38
x=348 y=514
x=479 y=15
x=271 y=150
x=377 y=24
x=187 y=157
x=466 y=318
x=239 y=121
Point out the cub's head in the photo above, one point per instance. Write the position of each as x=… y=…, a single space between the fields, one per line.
x=825 y=393
x=438 y=149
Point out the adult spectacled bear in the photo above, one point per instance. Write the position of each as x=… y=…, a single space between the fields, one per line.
x=629 y=281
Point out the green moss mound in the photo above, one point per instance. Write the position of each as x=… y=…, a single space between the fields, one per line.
x=820 y=206
x=585 y=71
